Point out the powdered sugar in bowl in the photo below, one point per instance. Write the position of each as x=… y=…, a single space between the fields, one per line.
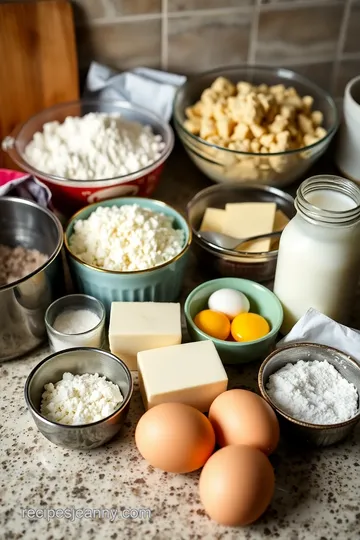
x=322 y=429
x=75 y=320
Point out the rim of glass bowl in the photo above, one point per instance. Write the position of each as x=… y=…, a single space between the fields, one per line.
x=265 y=69
x=169 y=144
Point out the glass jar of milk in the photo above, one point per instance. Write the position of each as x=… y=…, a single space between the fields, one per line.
x=319 y=252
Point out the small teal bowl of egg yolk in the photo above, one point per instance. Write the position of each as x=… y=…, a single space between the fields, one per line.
x=262 y=301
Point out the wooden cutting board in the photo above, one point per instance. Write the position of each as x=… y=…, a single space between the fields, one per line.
x=38 y=64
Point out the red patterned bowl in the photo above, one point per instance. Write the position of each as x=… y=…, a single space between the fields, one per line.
x=70 y=195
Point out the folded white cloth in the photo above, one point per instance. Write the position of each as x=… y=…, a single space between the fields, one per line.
x=314 y=327
x=149 y=88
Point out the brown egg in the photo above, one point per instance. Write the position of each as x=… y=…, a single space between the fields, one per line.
x=236 y=485
x=175 y=437
x=242 y=417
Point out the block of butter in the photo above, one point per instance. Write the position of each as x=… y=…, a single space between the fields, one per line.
x=249 y=219
x=191 y=373
x=139 y=326
x=213 y=220
x=242 y=219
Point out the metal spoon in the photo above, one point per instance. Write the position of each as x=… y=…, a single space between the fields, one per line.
x=230 y=242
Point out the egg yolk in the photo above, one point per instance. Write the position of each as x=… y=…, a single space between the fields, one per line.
x=249 y=326
x=213 y=323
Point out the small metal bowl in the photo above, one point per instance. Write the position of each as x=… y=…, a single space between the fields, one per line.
x=315 y=434
x=79 y=361
x=255 y=266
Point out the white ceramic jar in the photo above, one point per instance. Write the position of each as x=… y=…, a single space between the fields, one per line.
x=319 y=252
x=348 y=143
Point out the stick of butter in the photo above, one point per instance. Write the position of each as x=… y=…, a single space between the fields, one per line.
x=191 y=373
x=213 y=220
x=138 y=326
x=249 y=219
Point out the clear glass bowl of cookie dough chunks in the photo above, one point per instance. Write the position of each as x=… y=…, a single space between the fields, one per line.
x=259 y=125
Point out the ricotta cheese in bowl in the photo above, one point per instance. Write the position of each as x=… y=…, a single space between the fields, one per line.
x=128 y=249
x=126 y=238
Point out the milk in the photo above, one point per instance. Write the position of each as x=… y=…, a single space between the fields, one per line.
x=330 y=200
x=318 y=264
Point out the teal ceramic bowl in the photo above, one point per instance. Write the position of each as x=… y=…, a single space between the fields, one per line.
x=159 y=284
x=262 y=301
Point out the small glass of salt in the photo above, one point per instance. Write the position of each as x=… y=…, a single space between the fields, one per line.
x=75 y=320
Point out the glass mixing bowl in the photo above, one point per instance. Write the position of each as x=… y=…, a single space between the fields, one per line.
x=224 y=165
x=70 y=195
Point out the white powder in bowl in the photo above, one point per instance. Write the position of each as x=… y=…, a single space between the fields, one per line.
x=93 y=147
x=80 y=399
x=76 y=321
x=313 y=392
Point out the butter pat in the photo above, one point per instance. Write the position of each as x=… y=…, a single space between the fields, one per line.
x=191 y=373
x=250 y=219
x=213 y=220
x=139 y=326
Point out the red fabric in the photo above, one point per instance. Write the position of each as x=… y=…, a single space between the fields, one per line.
x=6 y=176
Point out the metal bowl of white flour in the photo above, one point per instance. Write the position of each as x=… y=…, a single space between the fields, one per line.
x=315 y=391
x=85 y=429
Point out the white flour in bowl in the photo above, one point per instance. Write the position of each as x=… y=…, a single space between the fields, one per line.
x=93 y=147
x=80 y=399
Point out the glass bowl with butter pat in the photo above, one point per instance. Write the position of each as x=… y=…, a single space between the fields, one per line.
x=240 y=211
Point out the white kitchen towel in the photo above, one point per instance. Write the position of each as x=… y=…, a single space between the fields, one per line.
x=314 y=327
x=149 y=88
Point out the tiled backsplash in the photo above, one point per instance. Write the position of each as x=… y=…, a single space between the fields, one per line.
x=319 y=38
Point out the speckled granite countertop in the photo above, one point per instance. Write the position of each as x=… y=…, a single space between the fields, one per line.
x=317 y=494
